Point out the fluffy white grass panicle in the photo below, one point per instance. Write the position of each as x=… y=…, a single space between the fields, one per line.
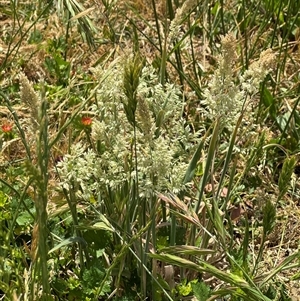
x=227 y=93
x=257 y=72
x=159 y=146
x=78 y=170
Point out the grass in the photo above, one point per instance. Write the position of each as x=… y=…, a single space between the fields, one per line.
x=149 y=151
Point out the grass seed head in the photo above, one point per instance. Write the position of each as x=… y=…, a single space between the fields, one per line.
x=30 y=98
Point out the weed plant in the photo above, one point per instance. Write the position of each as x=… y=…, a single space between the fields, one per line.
x=151 y=152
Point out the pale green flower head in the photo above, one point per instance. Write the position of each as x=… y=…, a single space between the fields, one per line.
x=227 y=94
x=157 y=150
x=77 y=171
x=257 y=72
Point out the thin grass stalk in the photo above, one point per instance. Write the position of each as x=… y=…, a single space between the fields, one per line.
x=222 y=17
x=150 y=238
x=164 y=49
x=252 y=292
x=177 y=50
x=173 y=227
x=142 y=215
x=218 y=222
x=208 y=163
x=41 y=200
x=245 y=244
x=213 y=21
x=281 y=267
x=72 y=205
x=108 y=8
x=157 y=26
x=230 y=230
x=85 y=25
x=158 y=48
x=202 y=184
x=283 y=49
x=254 y=9
x=263 y=26
x=122 y=253
x=276 y=19
x=9 y=51
x=228 y=158
x=127 y=240
x=227 y=200
x=169 y=6
x=162 y=72
x=245 y=32
x=67 y=35
x=190 y=172
x=293 y=112
x=166 y=294
x=153 y=236
x=205 y=16
x=231 y=179
x=194 y=86
x=132 y=72
x=194 y=61
x=269 y=218
x=180 y=67
x=246 y=276
x=253 y=157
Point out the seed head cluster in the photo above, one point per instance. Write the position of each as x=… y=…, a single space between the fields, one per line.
x=227 y=93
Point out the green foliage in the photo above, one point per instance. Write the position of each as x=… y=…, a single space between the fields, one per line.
x=164 y=235
x=57 y=66
x=175 y=162
x=277 y=291
x=82 y=286
x=184 y=288
x=201 y=291
x=35 y=37
x=92 y=278
x=3 y=199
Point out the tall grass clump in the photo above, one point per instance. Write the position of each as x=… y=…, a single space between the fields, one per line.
x=39 y=174
x=154 y=156
x=38 y=181
x=139 y=144
x=229 y=101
